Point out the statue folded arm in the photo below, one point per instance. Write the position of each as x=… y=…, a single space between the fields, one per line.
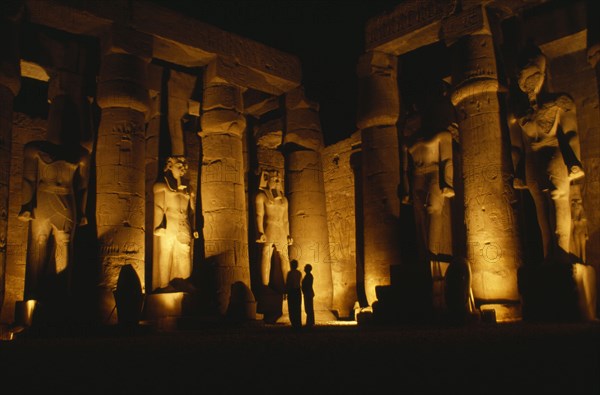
x=160 y=218
x=260 y=215
x=569 y=145
x=406 y=189
x=82 y=186
x=446 y=164
x=30 y=167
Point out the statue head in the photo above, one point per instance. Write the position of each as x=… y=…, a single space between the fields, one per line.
x=270 y=180
x=177 y=165
x=532 y=71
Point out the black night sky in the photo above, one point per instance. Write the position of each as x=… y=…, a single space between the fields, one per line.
x=327 y=36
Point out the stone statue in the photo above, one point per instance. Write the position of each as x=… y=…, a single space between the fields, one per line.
x=428 y=183
x=174 y=220
x=272 y=224
x=549 y=146
x=55 y=184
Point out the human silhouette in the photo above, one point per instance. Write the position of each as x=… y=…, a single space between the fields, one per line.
x=309 y=295
x=294 y=298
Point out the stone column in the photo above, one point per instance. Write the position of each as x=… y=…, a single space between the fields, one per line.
x=493 y=248
x=303 y=143
x=120 y=160
x=378 y=111
x=223 y=192
x=10 y=84
x=591 y=150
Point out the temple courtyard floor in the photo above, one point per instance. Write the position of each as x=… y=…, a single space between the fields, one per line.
x=258 y=358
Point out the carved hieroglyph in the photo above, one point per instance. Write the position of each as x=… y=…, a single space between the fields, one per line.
x=223 y=190
x=306 y=192
x=173 y=225
x=378 y=110
x=493 y=250
x=120 y=165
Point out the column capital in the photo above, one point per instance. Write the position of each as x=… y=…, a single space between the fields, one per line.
x=378 y=96
x=222 y=109
x=302 y=122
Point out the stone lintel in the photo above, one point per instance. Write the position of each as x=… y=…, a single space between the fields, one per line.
x=123 y=39
x=411 y=25
x=177 y=38
x=228 y=69
x=565 y=45
x=258 y=103
x=34 y=71
x=470 y=21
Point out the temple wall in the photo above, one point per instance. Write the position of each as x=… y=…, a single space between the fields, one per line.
x=25 y=129
x=573 y=74
x=340 y=201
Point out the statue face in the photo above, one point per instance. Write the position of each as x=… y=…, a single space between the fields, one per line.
x=273 y=181
x=531 y=78
x=178 y=169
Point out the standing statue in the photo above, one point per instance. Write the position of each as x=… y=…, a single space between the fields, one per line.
x=549 y=146
x=272 y=224
x=427 y=184
x=174 y=229
x=55 y=184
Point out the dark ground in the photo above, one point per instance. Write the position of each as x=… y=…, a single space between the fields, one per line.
x=475 y=358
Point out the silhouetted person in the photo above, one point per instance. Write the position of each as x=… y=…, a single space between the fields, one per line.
x=309 y=295
x=294 y=298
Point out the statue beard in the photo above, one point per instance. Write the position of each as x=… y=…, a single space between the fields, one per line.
x=276 y=194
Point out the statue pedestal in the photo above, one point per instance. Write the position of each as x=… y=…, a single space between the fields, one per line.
x=165 y=309
x=585 y=281
x=24 y=310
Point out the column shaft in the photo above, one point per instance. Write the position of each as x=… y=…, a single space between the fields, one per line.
x=493 y=248
x=306 y=194
x=223 y=191
x=378 y=111
x=120 y=172
x=10 y=84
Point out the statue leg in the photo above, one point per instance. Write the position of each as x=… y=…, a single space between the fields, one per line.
x=265 y=263
x=37 y=249
x=182 y=261
x=561 y=215
x=435 y=206
x=164 y=264
x=420 y=210
x=62 y=250
x=282 y=249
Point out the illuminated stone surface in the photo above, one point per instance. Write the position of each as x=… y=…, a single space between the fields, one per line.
x=10 y=84
x=428 y=184
x=550 y=167
x=272 y=225
x=340 y=193
x=173 y=226
x=306 y=194
x=120 y=164
x=223 y=189
x=54 y=196
x=378 y=111
x=493 y=249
